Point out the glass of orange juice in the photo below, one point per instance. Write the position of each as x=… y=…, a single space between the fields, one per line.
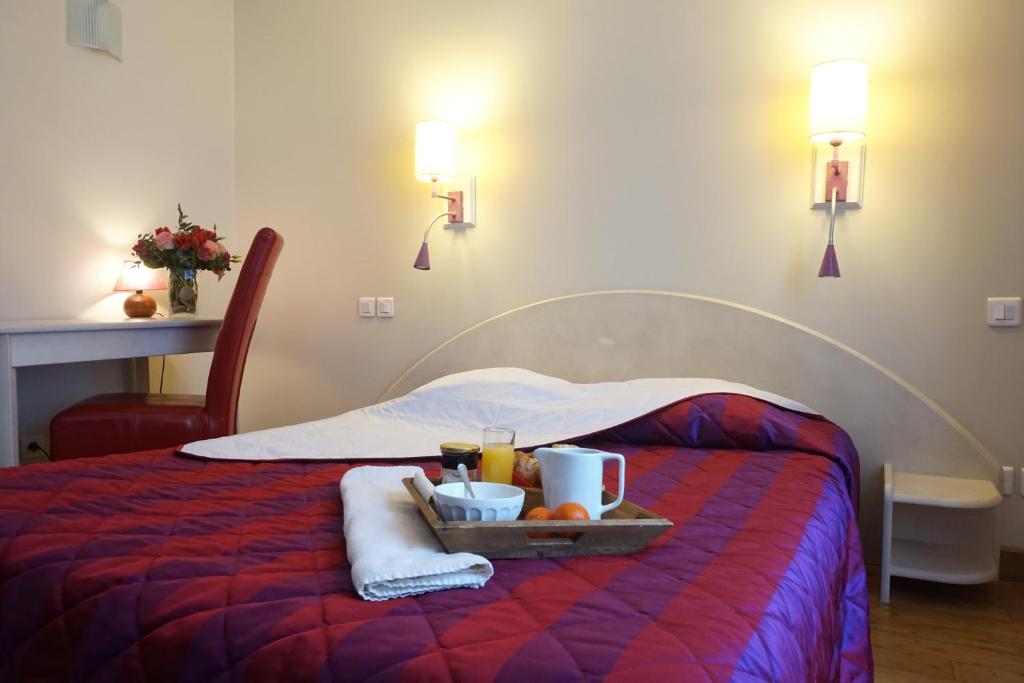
x=498 y=454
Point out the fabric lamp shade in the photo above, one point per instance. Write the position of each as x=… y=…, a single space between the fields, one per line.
x=422 y=258
x=435 y=151
x=839 y=100
x=136 y=277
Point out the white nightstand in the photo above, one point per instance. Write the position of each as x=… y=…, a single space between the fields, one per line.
x=948 y=554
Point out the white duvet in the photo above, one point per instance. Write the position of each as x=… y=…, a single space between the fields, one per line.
x=541 y=409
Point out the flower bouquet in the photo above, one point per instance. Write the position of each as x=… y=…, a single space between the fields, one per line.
x=183 y=253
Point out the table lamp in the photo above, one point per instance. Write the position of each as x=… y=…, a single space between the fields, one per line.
x=135 y=277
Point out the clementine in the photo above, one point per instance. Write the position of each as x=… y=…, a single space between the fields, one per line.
x=538 y=514
x=570 y=512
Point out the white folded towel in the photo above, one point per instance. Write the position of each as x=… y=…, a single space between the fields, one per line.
x=392 y=551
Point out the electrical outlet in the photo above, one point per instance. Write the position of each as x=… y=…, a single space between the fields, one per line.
x=24 y=441
x=27 y=454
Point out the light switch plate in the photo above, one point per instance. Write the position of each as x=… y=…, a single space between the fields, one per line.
x=385 y=307
x=1007 y=480
x=367 y=307
x=1004 y=311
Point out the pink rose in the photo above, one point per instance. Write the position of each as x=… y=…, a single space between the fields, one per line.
x=208 y=250
x=164 y=239
x=221 y=249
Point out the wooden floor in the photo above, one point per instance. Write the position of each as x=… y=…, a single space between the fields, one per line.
x=934 y=632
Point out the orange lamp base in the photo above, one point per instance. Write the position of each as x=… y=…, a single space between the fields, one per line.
x=139 y=305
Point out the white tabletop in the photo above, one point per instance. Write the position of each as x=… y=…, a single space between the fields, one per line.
x=77 y=324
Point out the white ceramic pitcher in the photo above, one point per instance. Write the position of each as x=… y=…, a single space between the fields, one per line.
x=574 y=475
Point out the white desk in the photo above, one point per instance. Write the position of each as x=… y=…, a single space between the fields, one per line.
x=25 y=343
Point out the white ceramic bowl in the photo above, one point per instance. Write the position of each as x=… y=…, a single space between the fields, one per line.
x=493 y=502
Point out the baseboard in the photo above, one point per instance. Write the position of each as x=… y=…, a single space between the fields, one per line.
x=1011 y=564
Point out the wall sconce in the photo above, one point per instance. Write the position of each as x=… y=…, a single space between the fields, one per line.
x=839 y=99
x=436 y=142
x=135 y=277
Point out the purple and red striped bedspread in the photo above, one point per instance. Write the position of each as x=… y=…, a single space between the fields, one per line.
x=153 y=567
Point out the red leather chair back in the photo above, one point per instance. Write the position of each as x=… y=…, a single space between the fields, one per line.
x=225 y=381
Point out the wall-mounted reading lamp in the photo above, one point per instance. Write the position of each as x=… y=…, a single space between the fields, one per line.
x=436 y=142
x=839 y=98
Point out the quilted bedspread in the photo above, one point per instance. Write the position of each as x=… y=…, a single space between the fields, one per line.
x=156 y=567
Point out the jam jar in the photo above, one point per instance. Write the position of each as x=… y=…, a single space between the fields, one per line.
x=454 y=453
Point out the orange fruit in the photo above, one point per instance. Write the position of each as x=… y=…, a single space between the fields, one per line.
x=572 y=512
x=538 y=514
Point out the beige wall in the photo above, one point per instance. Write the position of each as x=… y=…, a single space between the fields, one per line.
x=634 y=145
x=96 y=151
x=639 y=145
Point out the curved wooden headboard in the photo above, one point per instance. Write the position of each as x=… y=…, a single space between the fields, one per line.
x=625 y=334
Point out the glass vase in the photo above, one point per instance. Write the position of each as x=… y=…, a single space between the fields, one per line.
x=183 y=291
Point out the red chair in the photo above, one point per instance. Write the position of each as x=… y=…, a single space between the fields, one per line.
x=123 y=423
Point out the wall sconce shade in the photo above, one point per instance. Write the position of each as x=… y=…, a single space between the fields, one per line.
x=829 y=263
x=435 y=151
x=839 y=101
x=423 y=258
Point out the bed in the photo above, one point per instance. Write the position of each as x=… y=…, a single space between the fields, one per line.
x=157 y=567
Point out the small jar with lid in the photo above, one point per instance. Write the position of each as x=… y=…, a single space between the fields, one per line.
x=453 y=454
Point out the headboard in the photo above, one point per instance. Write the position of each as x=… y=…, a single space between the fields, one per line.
x=625 y=334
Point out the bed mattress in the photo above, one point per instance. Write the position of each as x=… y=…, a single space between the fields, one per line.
x=157 y=567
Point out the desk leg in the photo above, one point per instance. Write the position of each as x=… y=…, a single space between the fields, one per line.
x=8 y=405
x=140 y=375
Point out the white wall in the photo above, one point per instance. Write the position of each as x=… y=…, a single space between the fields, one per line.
x=648 y=145
x=96 y=151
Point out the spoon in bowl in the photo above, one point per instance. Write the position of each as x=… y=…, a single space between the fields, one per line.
x=464 y=475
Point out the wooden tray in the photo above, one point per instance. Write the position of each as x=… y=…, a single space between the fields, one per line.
x=626 y=529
